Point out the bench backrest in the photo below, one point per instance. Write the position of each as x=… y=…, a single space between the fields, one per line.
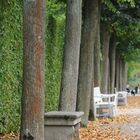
x=97 y=91
x=97 y=95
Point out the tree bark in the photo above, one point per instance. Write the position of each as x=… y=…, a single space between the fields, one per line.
x=121 y=74
x=117 y=77
x=32 y=119
x=105 y=63
x=85 y=83
x=97 y=48
x=108 y=85
x=124 y=75
x=71 y=56
x=112 y=59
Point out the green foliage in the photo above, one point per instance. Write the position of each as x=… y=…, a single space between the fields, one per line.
x=110 y=5
x=129 y=40
x=115 y=5
x=10 y=64
x=115 y=12
x=131 y=2
x=55 y=8
x=54 y=53
x=124 y=22
x=134 y=73
x=11 y=59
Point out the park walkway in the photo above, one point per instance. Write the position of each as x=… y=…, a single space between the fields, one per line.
x=126 y=126
x=132 y=127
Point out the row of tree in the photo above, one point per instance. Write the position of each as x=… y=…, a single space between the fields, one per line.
x=100 y=58
x=86 y=37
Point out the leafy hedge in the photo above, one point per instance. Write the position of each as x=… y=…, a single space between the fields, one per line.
x=10 y=64
x=11 y=59
x=54 y=52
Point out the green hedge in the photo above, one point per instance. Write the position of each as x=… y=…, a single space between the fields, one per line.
x=54 y=52
x=10 y=65
x=11 y=59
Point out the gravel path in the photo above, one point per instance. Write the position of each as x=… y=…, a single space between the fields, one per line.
x=131 y=111
x=131 y=128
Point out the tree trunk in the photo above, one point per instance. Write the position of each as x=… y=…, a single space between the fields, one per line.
x=112 y=59
x=105 y=62
x=96 y=65
x=32 y=119
x=71 y=56
x=121 y=74
x=85 y=83
x=97 y=52
x=124 y=75
x=108 y=85
x=117 y=77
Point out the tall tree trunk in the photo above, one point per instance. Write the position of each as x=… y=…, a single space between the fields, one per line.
x=97 y=51
x=112 y=59
x=71 y=56
x=32 y=119
x=85 y=83
x=96 y=65
x=117 y=77
x=105 y=63
x=120 y=74
x=124 y=75
x=108 y=85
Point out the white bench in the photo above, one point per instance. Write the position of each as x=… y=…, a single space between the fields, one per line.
x=107 y=103
x=122 y=98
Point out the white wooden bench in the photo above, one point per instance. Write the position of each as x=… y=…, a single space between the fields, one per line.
x=106 y=103
x=122 y=98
